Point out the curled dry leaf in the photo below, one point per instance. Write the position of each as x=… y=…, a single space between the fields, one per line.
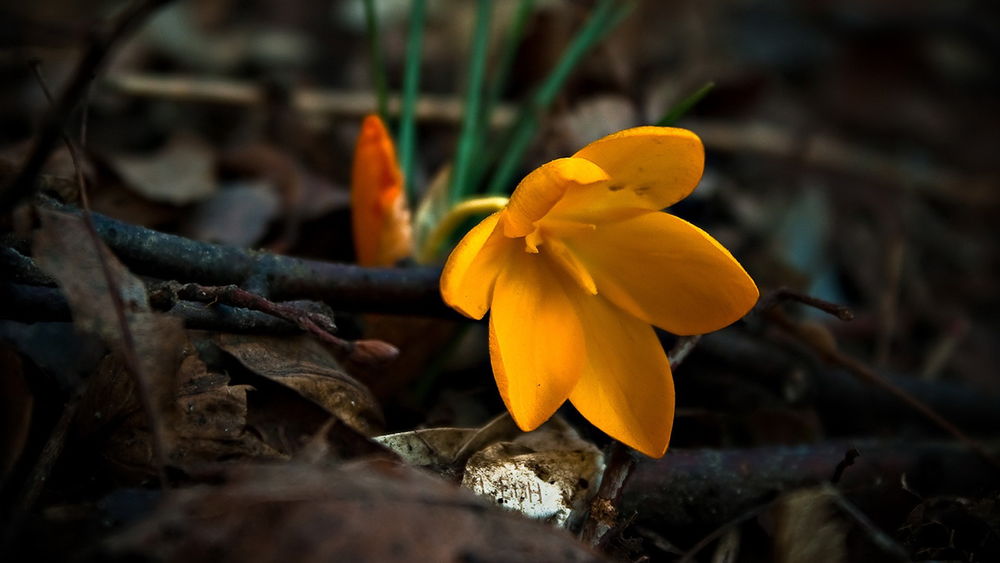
x=548 y=474
x=307 y=368
x=808 y=529
x=211 y=424
x=357 y=512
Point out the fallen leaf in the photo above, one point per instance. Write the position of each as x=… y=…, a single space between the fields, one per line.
x=303 y=365
x=64 y=248
x=238 y=215
x=180 y=173
x=361 y=511
x=807 y=528
x=211 y=425
x=547 y=474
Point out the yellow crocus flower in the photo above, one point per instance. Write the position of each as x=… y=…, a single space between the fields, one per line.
x=577 y=267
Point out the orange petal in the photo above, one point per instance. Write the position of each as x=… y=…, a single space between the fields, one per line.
x=667 y=272
x=536 y=340
x=650 y=167
x=626 y=388
x=472 y=268
x=543 y=187
x=380 y=219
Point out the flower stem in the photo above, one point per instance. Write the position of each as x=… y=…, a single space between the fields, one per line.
x=455 y=217
x=411 y=84
x=468 y=140
x=685 y=106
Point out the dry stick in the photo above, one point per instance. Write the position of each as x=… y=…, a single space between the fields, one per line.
x=345 y=287
x=56 y=119
x=833 y=356
x=603 y=514
x=876 y=535
x=784 y=294
x=311 y=102
x=156 y=425
x=363 y=351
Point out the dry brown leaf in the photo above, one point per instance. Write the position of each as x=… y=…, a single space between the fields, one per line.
x=357 y=512
x=303 y=365
x=64 y=248
x=807 y=529
x=238 y=215
x=180 y=173
x=211 y=425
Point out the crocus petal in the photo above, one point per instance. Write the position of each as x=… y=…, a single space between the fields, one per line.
x=543 y=187
x=380 y=220
x=536 y=339
x=471 y=271
x=650 y=167
x=667 y=272
x=626 y=388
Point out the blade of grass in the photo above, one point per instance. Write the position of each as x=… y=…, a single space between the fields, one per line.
x=506 y=59
x=468 y=140
x=411 y=84
x=605 y=17
x=685 y=105
x=376 y=60
x=501 y=75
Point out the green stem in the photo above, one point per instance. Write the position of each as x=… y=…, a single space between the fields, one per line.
x=506 y=60
x=376 y=59
x=685 y=105
x=469 y=137
x=411 y=84
x=607 y=15
x=455 y=217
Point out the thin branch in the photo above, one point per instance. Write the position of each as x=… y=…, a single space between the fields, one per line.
x=707 y=488
x=319 y=105
x=345 y=287
x=602 y=518
x=317 y=324
x=784 y=294
x=828 y=353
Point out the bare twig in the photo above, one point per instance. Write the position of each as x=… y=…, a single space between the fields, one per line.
x=317 y=324
x=707 y=488
x=849 y=457
x=55 y=121
x=877 y=536
x=827 y=352
x=310 y=102
x=344 y=287
x=602 y=517
x=128 y=348
x=680 y=351
x=784 y=294
x=603 y=514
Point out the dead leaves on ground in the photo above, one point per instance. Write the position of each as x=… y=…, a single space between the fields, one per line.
x=360 y=511
x=215 y=398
